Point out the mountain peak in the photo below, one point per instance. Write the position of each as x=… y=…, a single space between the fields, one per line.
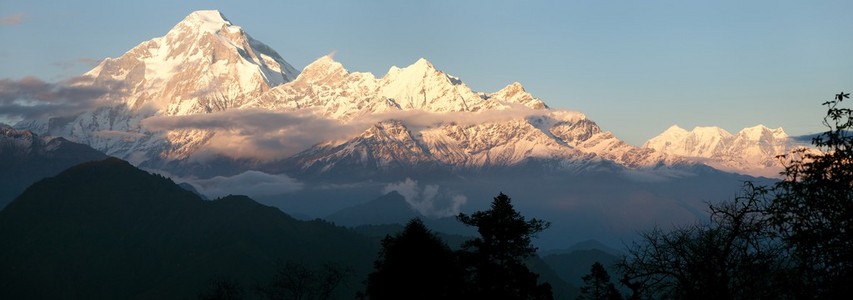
x=208 y=14
x=423 y=63
x=675 y=128
x=512 y=88
x=421 y=66
x=757 y=131
x=515 y=93
x=515 y=85
x=421 y=86
x=673 y=132
x=757 y=127
x=322 y=68
x=324 y=62
x=203 y=64
x=752 y=150
x=206 y=20
x=710 y=131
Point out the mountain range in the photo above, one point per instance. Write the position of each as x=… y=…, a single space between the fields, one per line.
x=752 y=151
x=208 y=105
x=194 y=97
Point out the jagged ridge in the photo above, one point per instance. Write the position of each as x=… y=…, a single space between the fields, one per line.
x=223 y=68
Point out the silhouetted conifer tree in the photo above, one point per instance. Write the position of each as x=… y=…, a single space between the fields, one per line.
x=495 y=260
x=597 y=285
x=415 y=264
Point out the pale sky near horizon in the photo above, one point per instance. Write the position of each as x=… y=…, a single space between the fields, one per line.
x=634 y=67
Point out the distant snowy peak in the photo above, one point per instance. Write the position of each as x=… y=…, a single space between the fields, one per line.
x=205 y=21
x=324 y=70
x=585 y=135
x=422 y=86
x=699 y=142
x=752 y=150
x=203 y=64
x=761 y=132
x=515 y=93
x=326 y=85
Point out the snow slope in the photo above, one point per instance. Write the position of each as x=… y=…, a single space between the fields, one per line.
x=751 y=151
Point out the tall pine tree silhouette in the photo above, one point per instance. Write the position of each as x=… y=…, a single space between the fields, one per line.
x=415 y=264
x=597 y=285
x=495 y=260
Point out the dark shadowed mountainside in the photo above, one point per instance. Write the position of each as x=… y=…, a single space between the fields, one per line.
x=107 y=230
x=574 y=265
x=26 y=157
x=388 y=209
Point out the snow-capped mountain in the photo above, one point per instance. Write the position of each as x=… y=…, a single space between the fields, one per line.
x=545 y=134
x=515 y=93
x=325 y=85
x=560 y=140
x=751 y=151
x=206 y=64
x=203 y=64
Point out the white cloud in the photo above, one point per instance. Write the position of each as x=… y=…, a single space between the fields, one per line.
x=269 y=135
x=257 y=133
x=428 y=201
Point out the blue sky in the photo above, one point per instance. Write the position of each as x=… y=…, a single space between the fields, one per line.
x=634 y=67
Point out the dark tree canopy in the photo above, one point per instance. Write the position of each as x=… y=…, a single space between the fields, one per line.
x=495 y=260
x=298 y=281
x=792 y=240
x=505 y=236
x=223 y=289
x=597 y=285
x=415 y=264
x=735 y=256
x=813 y=207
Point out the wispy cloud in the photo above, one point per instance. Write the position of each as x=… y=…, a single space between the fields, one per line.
x=264 y=134
x=429 y=200
x=15 y=19
x=257 y=133
x=249 y=183
x=32 y=98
